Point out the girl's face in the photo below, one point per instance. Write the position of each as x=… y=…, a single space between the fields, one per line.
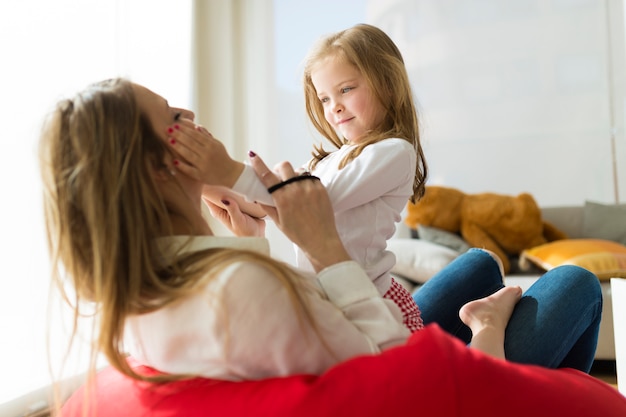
x=349 y=104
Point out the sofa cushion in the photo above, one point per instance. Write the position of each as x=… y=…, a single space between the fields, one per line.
x=442 y=237
x=604 y=258
x=418 y=260
x=568 y=219
x=605 y=221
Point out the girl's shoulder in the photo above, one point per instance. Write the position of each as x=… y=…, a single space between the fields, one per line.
x=390 y=146
x=393 y=142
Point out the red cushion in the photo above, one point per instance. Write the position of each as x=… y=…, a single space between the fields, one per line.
x=432 y=375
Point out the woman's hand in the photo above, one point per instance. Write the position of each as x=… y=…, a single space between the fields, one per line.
x=303 y=213
x=201 y=156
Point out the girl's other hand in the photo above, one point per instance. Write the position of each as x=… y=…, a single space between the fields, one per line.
x=216 y=194
x=239 y=223
x=200 y=156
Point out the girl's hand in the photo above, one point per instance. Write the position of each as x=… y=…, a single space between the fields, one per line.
x=303 y=213
x=216 y=194
x=239 y=223
x=201 y=156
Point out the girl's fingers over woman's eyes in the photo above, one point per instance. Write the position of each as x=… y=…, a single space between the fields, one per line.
x=186 y=168
x=190 y=158
x=187 y=141
x=177 y=144
x=203 y=129
x=184 y=131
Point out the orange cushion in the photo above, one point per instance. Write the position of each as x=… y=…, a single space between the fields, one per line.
x=604 y=258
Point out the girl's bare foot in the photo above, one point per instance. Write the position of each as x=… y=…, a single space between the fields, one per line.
x=494 y=310
x=488 y=317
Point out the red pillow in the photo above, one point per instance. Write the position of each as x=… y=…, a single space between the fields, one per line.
x=434 y=374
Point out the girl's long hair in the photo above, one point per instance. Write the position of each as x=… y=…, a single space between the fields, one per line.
x=103 y=214
x=380 y=62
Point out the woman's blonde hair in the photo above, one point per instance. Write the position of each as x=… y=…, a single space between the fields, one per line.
x=103 y=214
x=380 y=62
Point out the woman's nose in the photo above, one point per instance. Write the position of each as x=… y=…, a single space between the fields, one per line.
x=187 y=114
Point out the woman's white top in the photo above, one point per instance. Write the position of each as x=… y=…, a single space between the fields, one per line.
x=368 y=196
x=242 y=324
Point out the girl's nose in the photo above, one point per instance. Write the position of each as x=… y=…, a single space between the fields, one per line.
x=337 y=107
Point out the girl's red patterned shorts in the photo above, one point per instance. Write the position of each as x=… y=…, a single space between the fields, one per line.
x=410 y=311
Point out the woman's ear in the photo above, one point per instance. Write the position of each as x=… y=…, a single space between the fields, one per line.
x=162 y=171
x=163 y=174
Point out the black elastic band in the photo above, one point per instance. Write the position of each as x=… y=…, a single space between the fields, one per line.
x=289 y=181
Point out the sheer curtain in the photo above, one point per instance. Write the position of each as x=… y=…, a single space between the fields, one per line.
x=50 y=49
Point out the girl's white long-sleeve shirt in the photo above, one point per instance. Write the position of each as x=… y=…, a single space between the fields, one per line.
x=368 y=196
x=242 y=325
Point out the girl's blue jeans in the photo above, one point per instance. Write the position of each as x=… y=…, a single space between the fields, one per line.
x=555 y=324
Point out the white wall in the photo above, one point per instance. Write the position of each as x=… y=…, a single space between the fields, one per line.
x=517 y=96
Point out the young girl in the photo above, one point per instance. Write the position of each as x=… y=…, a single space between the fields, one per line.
x=358 y=96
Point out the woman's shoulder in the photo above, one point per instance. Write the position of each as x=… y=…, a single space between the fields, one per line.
x=245 y=270
x=249 y=276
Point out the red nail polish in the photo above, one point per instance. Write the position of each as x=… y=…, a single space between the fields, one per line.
x=170 y=130
x=251 y=154
x=177 y=127
x=176 y=162
x=173 y=141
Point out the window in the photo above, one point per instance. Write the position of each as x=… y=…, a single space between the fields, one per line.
x=51 y=49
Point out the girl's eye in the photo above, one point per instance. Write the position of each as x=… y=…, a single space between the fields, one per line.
x=345 y=90
x=324 y=99
x=177 y=116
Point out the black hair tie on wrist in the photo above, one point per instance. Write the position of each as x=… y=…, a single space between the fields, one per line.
x=289 y=181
